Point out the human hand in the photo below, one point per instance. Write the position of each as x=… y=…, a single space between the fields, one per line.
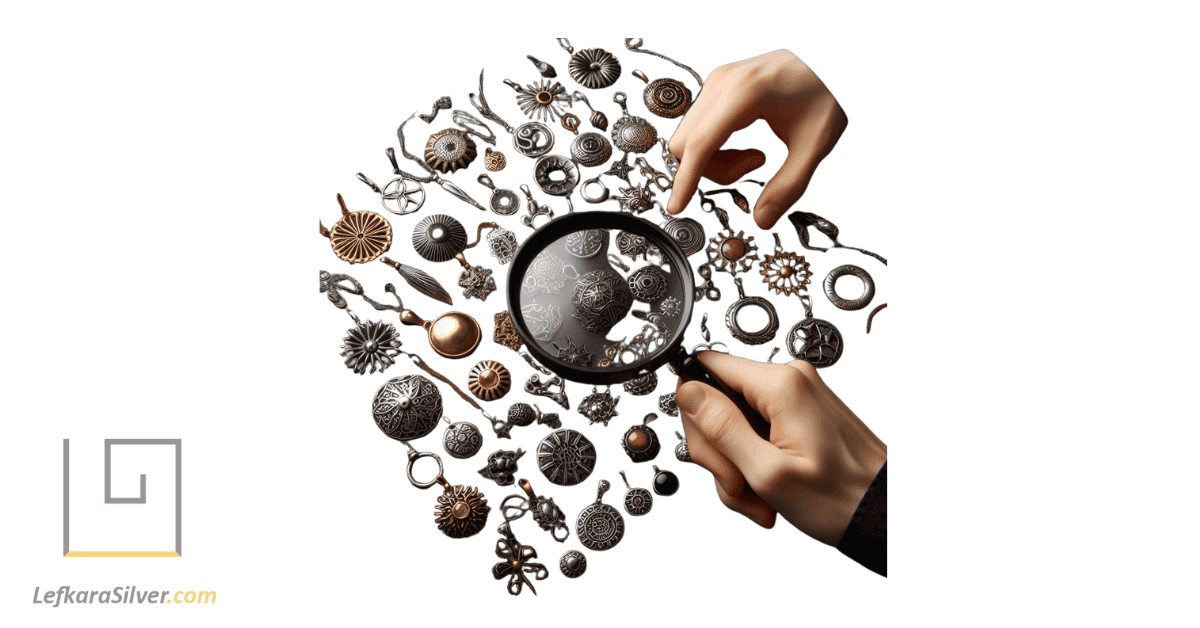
x=777 y=87
x=819 y=461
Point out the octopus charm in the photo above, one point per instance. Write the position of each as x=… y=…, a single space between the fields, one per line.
x=516 y=561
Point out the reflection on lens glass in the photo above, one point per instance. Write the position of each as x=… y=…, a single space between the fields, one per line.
x=586 y=311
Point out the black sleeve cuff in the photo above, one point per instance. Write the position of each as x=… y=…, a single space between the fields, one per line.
x=865 y=539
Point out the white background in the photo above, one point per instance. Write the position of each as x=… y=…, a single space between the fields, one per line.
x=1026 y=169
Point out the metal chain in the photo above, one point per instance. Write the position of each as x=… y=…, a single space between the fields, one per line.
x=638 y=48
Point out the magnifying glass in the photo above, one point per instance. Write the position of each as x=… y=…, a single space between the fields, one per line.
x=594 y=323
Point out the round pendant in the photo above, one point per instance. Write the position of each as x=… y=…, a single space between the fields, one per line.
x=667 y=98
x=632 y=134
x=667 y=405
x=489 y=380
x=439 y=238
x=755 y=337
x=732 y=252
x=785 y=272
x=638 y=501
x=682 y=453
x=599 y=407
x=591 y=149
x=643 y=385
x=599 y=526
x=407 y=407
x=449 y=150
x=461 y=511
x=594 y=68
x=648 y=284
x=521 y=414
x=494 y=160
x=533 y=139
x=372 y=344
x=863 y=300
x=452 y=335
x=665 y=482
x=566 y=457
x=462 y=440
x=688 y=233
x=360 y=237
x=600 y=300
x=556 y=175
x=573 y=563
x=640 y=442
x=815 y=341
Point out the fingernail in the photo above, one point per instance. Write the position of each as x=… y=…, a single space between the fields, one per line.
x=691 y=398
x=760 y=215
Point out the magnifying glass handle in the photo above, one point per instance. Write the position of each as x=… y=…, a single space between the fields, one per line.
x=690 y=368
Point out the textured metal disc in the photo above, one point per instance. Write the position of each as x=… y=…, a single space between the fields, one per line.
x=550 y=164
x=638 y=501
x=439 y=238
x=462 y=439
x=600 y=527
x=521 y=414
x=360 y=237
x=667 y=98
x=594 y=68
x=632 y=134
x=573 y=563
x=407 y=407
x=585 y=244
x=462 y=511
x=591 y=149
x=648 y=284
x=566 y=457
x=505 y=202
x=489 y=380
x=815 y=341
x=449 y=150
x=688 y=234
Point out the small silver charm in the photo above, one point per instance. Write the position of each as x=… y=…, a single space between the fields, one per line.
x=533 y=139
x=462 y=439
x=756 y=337
x=682 y=453
x=632 y=134
x=477 y=282
x=543 y=68
x=503 y=245
x=599 y=526
x=649 y=284
x=667 y=405
x=638 y=501
x=439 y=238
x=670 y=307
x=522 y=414
x=501 y=466
x=573 y=564
x=814 y=340
x=641 y=386
x=553 y=389
x=591 y=149
x=566 y=457
x=640 y=442
x=547 y=166
x=546 y=513
x=372 y=344
x=573 y=353
x=535 y=209
x=401 y=196
x=599 y=407
x=620 y=168
x=600 y=300
x=503 y=202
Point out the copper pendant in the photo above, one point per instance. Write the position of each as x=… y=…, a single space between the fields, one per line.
x=667 y=98
x=640 y=442
x=359 y=237
x=489 y=380
x=452 y=335
x=785 y=272
x=449 y=150
x=462 y=511
x=494 y=160
x=732 y=252
x=505 y=333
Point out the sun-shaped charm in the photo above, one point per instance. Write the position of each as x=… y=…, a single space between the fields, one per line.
x=461 y=511
x=541 y=100
x=636 y=199
x=373 y=344
x=785 y=272
x=731 y=252
x=574 y=354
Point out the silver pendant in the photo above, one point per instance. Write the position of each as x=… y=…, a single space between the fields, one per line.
x=372 y=344
x=585 y=244
x=667 y=405
x=572 y=564
x=756 y=337
x=543 y=68
x=682 y=453
x=439 y=238
x=667 y=98
x=400 y=196
x=553 y=389
x=522 y=414
x=599 y=526
x=407 y=407
x=640 y=442
x=600 y=300
x=547 y=166
x=632 y=245
x=638 y=501
x=546 y=513
x=599 y=407
x=542 y=100
x=593 y=68
x=535 y=209
x=632 y=134
x=707 y=289
x=648 y=284
x=814 y=340
x=502 y=466
x=859 y=303
x=644 y=385
x=591 y=149
x=687 y=233
x=503 y=202
x=533 y=139
x=462 y=439
x=477 y=282
x=566 y=457
x=803 y=220
x=503 y=245
x=572 y=353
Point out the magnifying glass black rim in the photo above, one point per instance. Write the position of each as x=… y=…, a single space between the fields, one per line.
x=579 y=221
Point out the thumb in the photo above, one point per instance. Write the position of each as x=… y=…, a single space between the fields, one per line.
x=726 y=428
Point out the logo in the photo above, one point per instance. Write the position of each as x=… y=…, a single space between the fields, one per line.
x=138 y=526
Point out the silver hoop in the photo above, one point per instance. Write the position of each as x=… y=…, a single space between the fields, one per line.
x=859 y=303
x=413 y=457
